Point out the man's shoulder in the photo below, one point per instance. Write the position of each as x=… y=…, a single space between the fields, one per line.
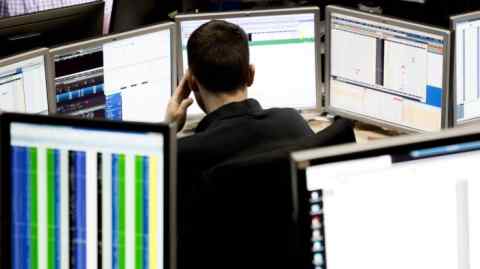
x=236 y=131
x=286 y=115
x=283 y=111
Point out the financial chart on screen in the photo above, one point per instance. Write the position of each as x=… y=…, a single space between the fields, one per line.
x=467 y=68
x=387 y=73
x=388 y=211
x=86 y=198
x=128 y=79
x=23 y=86
x=282 y=49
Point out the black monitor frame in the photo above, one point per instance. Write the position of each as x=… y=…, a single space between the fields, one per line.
x=170 y=182
x=399 y=148
x=51 y=27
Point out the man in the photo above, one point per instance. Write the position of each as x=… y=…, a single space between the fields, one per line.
x=219 y=75
x=19 y=7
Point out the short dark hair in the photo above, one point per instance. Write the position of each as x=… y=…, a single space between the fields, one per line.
x=218 y=56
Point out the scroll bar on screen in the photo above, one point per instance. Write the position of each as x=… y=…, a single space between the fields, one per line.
x=463 y=225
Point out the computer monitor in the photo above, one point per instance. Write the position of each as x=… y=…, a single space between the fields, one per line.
x=466 y=78
x=127 y=15
x=27 y=9
x=24 y=80
x=87 y=194
x=386 y=71
x=51 y=27
x=284 y=47
x=129 y=76
x=407 y=202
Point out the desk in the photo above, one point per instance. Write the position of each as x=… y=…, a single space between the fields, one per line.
x=363 y=132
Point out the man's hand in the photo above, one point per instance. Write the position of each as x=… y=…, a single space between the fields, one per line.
x=179 y=103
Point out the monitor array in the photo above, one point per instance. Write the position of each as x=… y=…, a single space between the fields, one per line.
x=397 y=75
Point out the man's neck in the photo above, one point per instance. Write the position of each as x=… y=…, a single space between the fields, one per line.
x=214 y=102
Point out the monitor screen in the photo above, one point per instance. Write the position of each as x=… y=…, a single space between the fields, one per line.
x=388 y=72
x=23 y=84
x=126 y=78
x=87 y=197
x=467 y=60
x=288 y=36
x=412 y=206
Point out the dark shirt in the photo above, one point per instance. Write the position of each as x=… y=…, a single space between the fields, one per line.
x=226 y=133
x=232 y=129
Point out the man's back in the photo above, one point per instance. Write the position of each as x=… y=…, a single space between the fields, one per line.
x=232 y=129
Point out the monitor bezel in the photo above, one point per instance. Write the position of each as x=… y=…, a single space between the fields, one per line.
x=47 y=15
x=266 y=12
x=301 y=160
x=48 y=70
x=446 y=34
x=116 y=37
x=168 y=131
x=454 y=20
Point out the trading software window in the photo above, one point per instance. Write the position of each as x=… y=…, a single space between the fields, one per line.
x=128 y=79
x=467 y=66
x=287 y=39
x=386 y=72
x=399 y=211
x=86 y=198
x=23 y=86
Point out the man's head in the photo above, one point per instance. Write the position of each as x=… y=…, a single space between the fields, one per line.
x=219 y=59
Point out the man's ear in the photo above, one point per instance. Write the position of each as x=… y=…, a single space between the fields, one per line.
x=192 y=82
x=251 y=75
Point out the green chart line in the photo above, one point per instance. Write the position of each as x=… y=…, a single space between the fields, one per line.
x=122 y=207
x=51 y=208
x=138 y=212
x=281 y=41
x=276 y=42
x=33 y=178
